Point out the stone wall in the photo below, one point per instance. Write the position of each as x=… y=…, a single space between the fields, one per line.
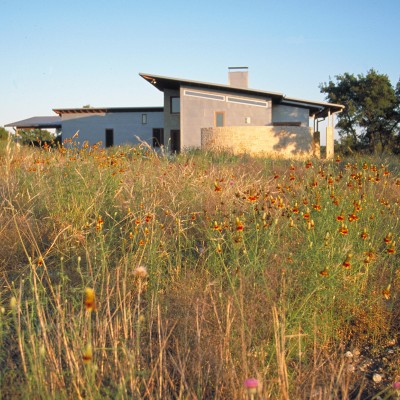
x=285 y=142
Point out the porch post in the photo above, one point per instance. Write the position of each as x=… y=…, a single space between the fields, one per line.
x=329 y=138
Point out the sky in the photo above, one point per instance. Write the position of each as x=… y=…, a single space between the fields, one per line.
x=61 y=54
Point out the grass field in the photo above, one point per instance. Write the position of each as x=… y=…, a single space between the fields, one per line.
x=127 y=274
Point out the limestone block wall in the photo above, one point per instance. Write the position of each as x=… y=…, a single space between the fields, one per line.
x=286 y=142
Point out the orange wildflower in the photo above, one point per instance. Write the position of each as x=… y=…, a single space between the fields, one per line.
x=217 y=188
x=364 y=234
x=343 y=230
x=239 y=225
x=386 y=293
x=388 y=238
x=346 y=263
x=324 y=272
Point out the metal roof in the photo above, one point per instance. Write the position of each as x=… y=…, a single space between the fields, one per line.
x=317 y=108
x=49 y=122
x=103 y=110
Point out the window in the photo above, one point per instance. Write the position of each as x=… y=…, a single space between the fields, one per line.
x=204 y=95
x=109 y=137
x=158 y=137
x=144 y=119
x=175 y=105
x=219 y=118
x=247 y=101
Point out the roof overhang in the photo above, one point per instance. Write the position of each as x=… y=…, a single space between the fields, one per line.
x=164 y=82
x=104 y=110
x=50 y=122
x=317 y=109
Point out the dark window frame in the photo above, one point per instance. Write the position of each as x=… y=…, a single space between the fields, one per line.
x=158 y=137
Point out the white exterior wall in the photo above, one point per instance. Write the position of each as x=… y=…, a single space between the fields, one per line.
x=126 y=126
x=283 y=113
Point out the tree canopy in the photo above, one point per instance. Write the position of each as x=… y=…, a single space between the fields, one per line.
x=3 y=133
x=371 y=119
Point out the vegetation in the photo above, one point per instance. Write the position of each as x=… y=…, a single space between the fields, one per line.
x=371 y=119
x=35 y=136
x=127 y=274
x=3 y=133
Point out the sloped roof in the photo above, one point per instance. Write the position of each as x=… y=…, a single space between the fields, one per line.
x=318 y=108
x=103 y=110
x=48 y=122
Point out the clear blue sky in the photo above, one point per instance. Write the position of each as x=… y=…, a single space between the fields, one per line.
x=58 y=53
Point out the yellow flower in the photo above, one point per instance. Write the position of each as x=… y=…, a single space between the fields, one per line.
x=90 y=302
x=87 y=355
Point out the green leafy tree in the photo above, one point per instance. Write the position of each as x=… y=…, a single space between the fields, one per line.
x=3 y=133
x=371 y=117
x=30 y=136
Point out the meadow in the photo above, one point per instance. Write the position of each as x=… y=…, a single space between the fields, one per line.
x=130 y=274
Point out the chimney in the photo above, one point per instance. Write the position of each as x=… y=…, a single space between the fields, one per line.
x=238 y=77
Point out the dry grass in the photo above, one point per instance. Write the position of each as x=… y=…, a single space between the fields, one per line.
x=206 y=269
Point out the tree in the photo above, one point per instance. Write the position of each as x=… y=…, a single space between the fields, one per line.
x=371 y=118
x=3 y=133
x=32 y=136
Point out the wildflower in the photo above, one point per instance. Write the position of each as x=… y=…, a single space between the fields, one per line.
x=388 y=238
x=353 y=217
x=252 y=198
x=217 y=187
x=87 y=355
x=251 y=385
x=239 y=225
x=309 y=164
x=340 y=217
x=343 y=230
x=346 y=263
x=219 y=248
x=386 y=292
x=140 y=272
x=216 y=227
x=337 y=159
x=90 y=302
x=391 y=249
x=99 y=223
x=364 y=234
x=324 y=272
x=317 y=207
x=40 y=261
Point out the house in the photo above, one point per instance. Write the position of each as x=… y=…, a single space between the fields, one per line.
x=204 y=115
x=207 y=115
x=111 y=126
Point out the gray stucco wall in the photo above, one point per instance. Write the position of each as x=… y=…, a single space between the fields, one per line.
x=198 y=113
x=126 y=126
x=283 y=113
x=171 y=121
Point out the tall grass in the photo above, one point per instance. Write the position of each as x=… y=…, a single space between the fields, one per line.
x=206 y=269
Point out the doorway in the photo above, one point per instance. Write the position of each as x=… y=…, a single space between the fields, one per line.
x=175 y=140
x=109 y=137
